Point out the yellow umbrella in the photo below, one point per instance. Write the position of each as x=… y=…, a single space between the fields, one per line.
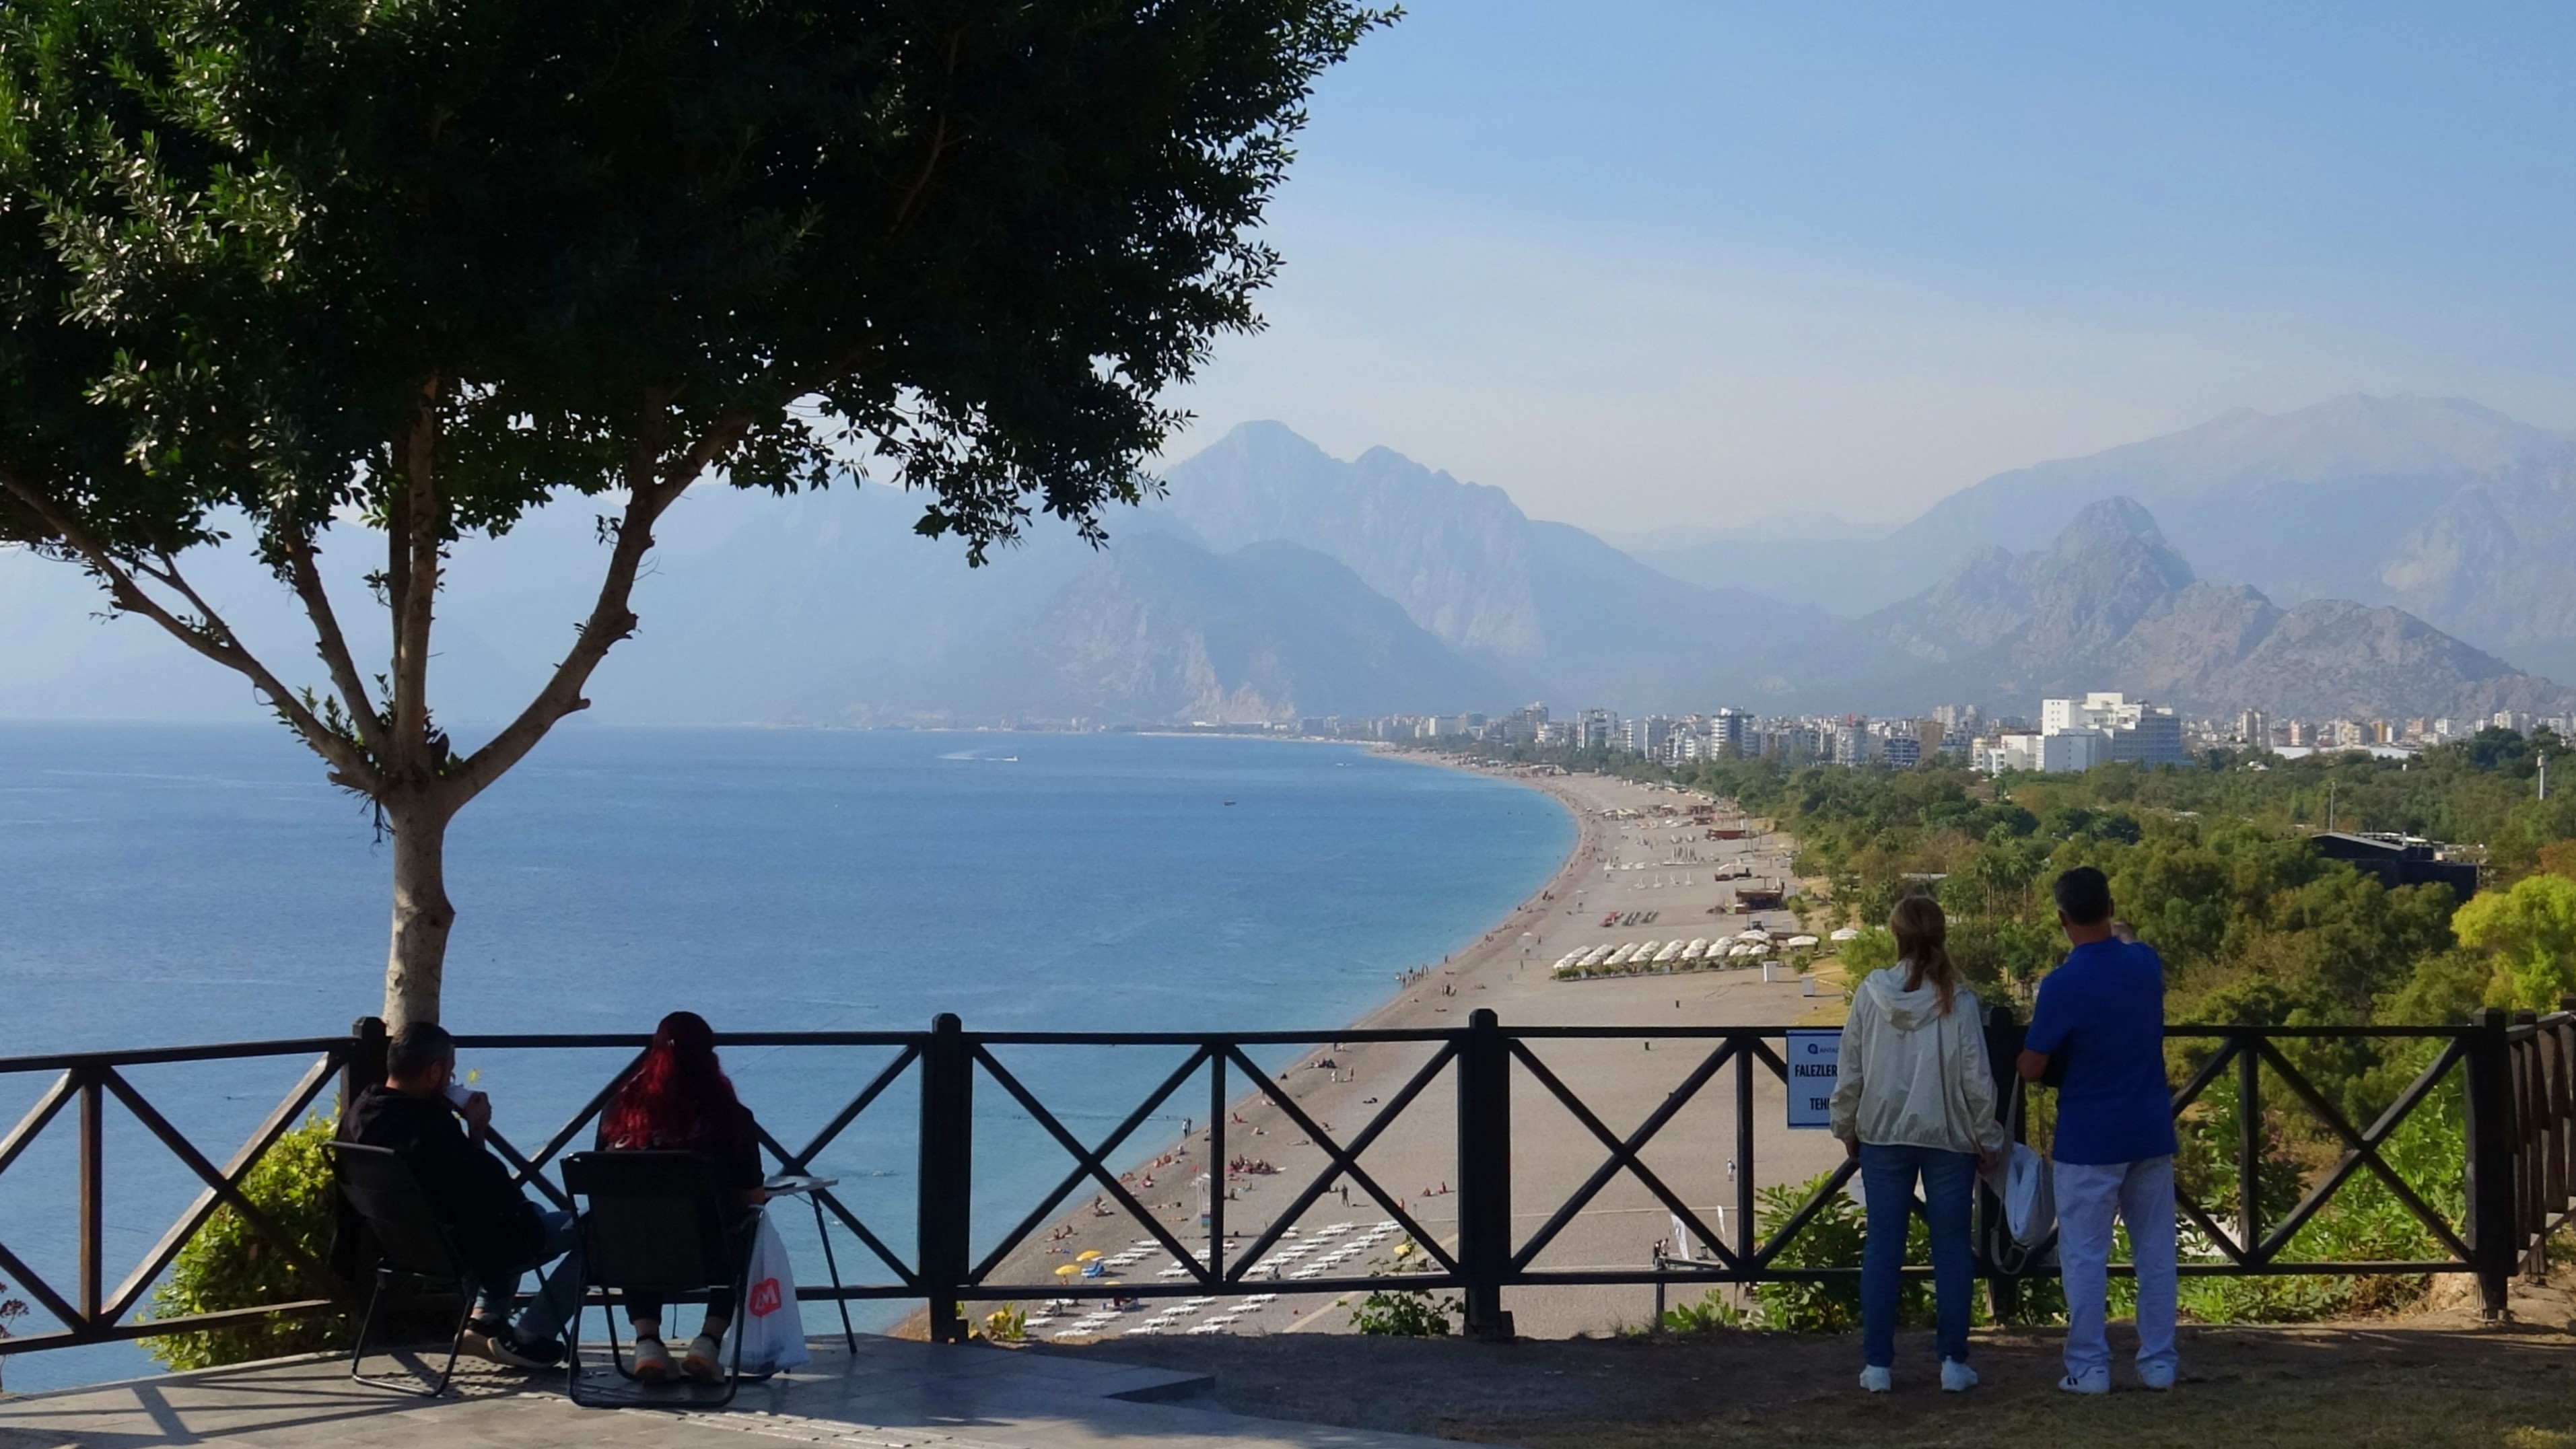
x=1086 y=1255
x=1066 y=1270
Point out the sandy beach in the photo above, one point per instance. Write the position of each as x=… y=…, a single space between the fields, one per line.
x=1628 y=860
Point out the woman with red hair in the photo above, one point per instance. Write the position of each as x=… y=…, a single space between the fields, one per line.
x=678 y=1099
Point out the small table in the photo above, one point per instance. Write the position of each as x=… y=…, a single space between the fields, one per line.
x=810 y=1188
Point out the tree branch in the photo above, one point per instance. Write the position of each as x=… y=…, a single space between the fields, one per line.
x=210 y=636
x=416 y=537
x=610 y=618
x=306 y=577
x=938 y=145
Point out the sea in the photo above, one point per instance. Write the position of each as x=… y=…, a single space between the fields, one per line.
x=178 y=884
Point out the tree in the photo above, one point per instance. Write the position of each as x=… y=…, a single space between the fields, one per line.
x=307 y=269
x=2529 y=932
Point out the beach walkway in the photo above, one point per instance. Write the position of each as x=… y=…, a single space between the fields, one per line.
x=891 y=1395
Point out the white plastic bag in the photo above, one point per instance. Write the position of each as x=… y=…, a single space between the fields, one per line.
x=773 y=1328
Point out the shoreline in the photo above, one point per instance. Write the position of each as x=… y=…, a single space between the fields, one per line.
x=1599 y=891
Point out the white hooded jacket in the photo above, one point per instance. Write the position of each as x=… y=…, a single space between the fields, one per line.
x=1913 y=1075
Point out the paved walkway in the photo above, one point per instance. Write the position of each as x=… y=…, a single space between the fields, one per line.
x=891 y=1394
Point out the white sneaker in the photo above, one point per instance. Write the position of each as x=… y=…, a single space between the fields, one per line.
x=2089 y=1384
x=2158 y=1378
x=705 y=1360
x=1957 y=1377
x=1877 y=1380
x=653 y=1363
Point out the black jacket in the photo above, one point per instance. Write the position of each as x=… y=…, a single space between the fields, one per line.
x=495 y=1228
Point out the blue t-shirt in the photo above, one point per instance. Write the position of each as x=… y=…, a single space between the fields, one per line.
x=2105 y=1008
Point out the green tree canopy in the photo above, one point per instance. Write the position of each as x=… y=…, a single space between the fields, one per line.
x=396 y=273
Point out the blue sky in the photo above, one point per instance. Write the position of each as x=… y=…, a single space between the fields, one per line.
x=1652 y=264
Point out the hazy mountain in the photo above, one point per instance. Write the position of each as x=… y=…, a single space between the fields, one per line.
x=1542 y=600
x=2111 y=604
x=2321 y=502
x=2491 y=563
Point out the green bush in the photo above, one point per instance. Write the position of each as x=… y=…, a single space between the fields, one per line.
x=230 y=1264
x=1404 y=1315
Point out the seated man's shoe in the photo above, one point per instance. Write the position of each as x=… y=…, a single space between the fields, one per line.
x=490 y=1324
x=653 y=1362
x=521 y=1351
x=705 y=1360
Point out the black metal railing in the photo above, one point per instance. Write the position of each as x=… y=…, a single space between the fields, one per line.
x=2513 y=1079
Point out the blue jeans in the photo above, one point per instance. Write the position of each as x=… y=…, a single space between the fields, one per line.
x=552 y=1307
x=1887 y=1184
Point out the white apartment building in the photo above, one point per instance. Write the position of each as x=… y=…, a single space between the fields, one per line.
x=2133 y=729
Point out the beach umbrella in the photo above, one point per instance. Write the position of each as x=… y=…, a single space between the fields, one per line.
x=1086 y=1255
x=1066 y=1270
x=1847 y=934
x=1802 y=940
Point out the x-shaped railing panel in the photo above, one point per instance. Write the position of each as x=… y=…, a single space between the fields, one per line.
x=222 y=1186
x=1623 y=1153
x=2361 y=1148
x=1092 y=1163
x=1344 y=1161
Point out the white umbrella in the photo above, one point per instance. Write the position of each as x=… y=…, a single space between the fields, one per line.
x=1797 y=941
x=1847 y=934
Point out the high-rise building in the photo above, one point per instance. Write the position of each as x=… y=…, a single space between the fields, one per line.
x=2254 y=728
x=1596 y=729
x=1727 y=731
x=2135 y=730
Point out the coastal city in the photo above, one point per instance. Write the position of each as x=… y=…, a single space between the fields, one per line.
x=2071 y=735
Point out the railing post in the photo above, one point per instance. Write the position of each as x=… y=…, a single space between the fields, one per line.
x=1485 y=1172
x=364 y=1067
x=2249 y=1151
x=2490 y=1166
x=947 y=1172
x=2004 y=1033
x=93 y=1199
x=2562 y=1108
x=2530 y=1134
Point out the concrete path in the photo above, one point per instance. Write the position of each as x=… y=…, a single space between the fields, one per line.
x=891 y=1394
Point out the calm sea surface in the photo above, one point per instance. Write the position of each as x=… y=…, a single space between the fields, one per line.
x=163 y=885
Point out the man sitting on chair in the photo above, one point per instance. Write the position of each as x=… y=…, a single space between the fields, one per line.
x=498 y=1232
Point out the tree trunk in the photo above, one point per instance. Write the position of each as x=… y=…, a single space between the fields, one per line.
x=417 y=960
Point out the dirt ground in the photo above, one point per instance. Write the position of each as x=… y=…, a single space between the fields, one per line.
x=2419 y=1381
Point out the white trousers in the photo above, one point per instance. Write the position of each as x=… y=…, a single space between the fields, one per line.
x=2142 y=1195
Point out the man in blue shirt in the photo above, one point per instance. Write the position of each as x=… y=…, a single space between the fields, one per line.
x=2104 y=1009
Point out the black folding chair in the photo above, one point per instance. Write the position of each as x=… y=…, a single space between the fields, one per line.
x=659 y=1223
x=410 y=1242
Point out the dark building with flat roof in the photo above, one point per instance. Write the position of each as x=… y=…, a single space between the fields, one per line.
x=2398 y=860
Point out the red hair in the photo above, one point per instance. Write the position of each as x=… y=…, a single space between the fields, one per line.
x=678 y=1094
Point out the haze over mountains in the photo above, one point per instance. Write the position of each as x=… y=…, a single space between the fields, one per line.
x=1275 y=581
x=2449 y=510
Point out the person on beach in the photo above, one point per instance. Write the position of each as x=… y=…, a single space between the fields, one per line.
x=2104 y=1009
x=1914 y=1097
x=679 y=1100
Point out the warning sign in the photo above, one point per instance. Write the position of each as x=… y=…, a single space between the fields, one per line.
x=1813 y=1051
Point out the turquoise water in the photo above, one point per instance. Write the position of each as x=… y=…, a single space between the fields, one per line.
x=191 y=884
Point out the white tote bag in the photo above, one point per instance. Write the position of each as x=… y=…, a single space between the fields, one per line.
x=2030 y=1201
x=773 y=1328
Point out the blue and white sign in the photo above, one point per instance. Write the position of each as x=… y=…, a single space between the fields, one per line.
x=1813 y=1054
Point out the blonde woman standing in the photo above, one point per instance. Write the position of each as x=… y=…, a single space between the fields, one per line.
x=1915 y=1098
